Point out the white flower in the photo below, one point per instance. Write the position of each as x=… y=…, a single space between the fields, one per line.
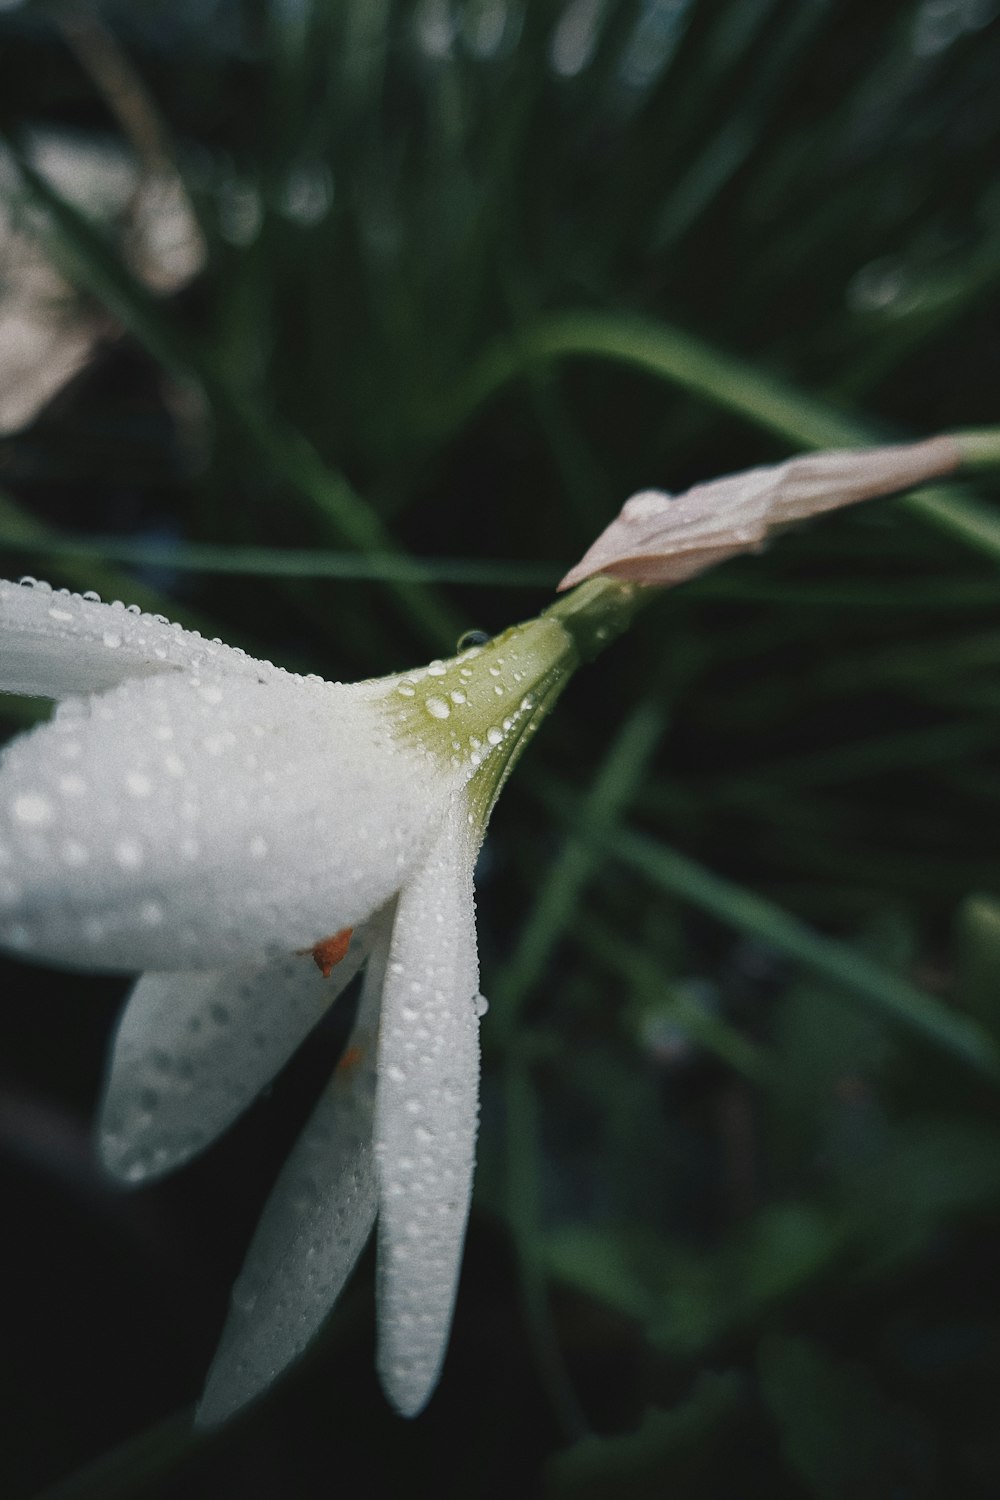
x=215 y=820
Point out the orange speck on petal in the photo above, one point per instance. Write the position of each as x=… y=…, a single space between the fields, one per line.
x=350 y=1059
x=329 y=952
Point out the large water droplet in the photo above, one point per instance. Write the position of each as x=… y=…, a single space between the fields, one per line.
x=438 y=708
x=34 y=810
x=472 y=638
x=480 y=1004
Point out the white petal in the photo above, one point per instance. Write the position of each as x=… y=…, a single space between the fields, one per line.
x=426 y=1113
x=312 y=1230
x=191 y=822
x=194 y=1049
x=53 y=645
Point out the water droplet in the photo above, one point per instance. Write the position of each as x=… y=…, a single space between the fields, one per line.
x=480 y=1004
x=92 y=596
x=112 y=639
x=406 y=690
x=436 y=668
x=494 y=736
x=458 y=696
x=33 y=809
x=527 y=703
x=60 y=614
x=128 y=853
x=437 y=708
x=472 y=638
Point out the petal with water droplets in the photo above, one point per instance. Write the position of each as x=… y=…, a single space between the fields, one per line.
x=192 y=822
x=426 y=1113
x=193 y=1050
x=56 y=645
x=314 y=1226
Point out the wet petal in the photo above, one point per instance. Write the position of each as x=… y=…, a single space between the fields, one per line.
x=313 y=1229
x=58 y=644
x=193 y=1050
x=426 y=1113
x=192 y=822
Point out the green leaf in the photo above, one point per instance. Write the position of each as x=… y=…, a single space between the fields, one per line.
x=839 y=1433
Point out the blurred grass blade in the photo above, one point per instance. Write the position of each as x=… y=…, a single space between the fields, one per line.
x=272 y=562
x=722 y=379
x=687 y=881
x=290 y=457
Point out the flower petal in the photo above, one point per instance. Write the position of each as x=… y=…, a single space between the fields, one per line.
x=59 y=644
x=426 y=1113
x=194 y=1050
x=190 y=822
x=313 y=1228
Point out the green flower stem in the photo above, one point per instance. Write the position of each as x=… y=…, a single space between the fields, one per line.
x=597 y=612
x=979 y=447
x=735 y=385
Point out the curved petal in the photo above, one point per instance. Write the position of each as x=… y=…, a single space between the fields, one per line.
x=189 y=822
x=192 y=1051
x=59 y=644
x=313 y=1228
x=426 y=1113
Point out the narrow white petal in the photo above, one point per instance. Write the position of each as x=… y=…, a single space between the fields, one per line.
x=54 y=645
x=193 y=1050
x=192 y=822
x=426 y=1113
x=313 y=1228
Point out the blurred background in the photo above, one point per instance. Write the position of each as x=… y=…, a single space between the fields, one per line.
x=339 y=327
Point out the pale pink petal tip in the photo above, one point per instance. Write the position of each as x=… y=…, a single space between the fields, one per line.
x=660 y=539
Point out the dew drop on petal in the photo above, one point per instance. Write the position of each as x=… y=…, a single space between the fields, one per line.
x=437 y=708
x=32 y=809
x=494 y=736
x=436 y=669
x=111 y=639
x=128 y=853
x=480 y=1005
